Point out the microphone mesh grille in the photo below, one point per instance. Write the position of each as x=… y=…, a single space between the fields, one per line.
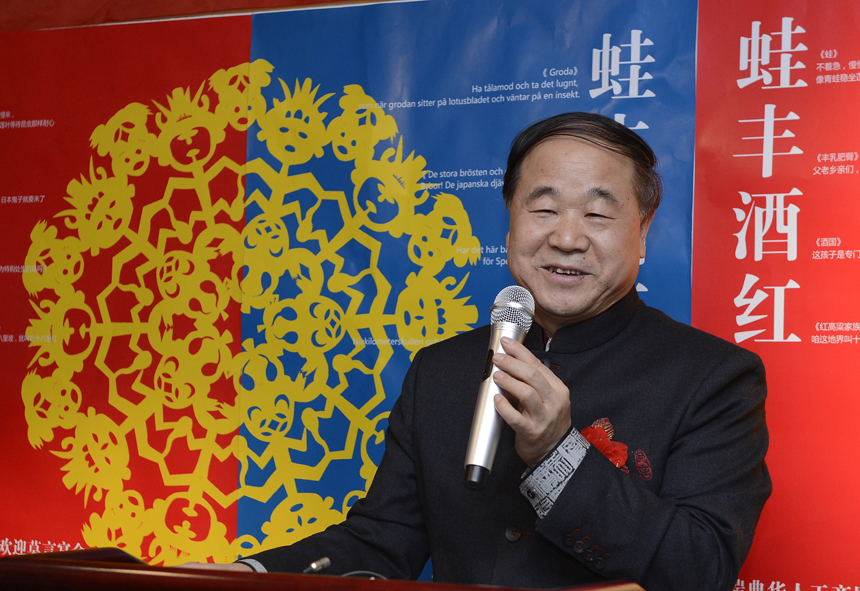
x=520 y=316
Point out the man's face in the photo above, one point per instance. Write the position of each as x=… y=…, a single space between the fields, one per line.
x=576 y=235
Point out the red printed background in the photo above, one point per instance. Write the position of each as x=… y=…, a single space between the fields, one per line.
x=59 y=87
x=79 y=79
x=802 y=216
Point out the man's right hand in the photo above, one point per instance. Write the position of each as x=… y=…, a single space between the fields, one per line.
x=542 y=415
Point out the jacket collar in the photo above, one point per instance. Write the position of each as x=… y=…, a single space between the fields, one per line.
x=590 y=333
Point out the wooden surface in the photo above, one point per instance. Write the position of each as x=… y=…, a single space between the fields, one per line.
x=106 y=570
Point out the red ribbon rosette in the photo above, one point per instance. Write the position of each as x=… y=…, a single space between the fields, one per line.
x=614 y=450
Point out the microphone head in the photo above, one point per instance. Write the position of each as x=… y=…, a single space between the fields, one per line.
x=514 y=304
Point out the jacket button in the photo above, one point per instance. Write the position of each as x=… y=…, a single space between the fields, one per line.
x=579 y=547
x=599 y=563
x=567 y=540
x=589 y=555
x=512 y=534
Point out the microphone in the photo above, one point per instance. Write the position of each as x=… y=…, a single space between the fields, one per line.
x=317 y=565
x=510 y=316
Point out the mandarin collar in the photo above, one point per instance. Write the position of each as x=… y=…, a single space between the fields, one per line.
x=589 y=333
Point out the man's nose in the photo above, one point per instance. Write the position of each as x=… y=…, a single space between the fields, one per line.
x=569 y=235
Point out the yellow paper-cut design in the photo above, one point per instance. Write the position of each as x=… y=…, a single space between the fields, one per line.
x=149 y=387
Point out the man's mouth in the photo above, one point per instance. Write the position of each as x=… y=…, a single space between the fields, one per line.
x=560 y=271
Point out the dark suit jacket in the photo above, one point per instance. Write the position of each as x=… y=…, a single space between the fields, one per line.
x=690 y=408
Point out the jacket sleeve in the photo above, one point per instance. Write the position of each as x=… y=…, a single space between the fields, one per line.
x=695 y=532
x=384 y=532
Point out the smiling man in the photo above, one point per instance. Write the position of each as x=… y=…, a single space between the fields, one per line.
x=577 y=233
x=680 y=509
x=636 y=448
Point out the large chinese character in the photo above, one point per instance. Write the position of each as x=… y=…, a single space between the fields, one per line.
x=756 y=52
x=752 y=302
x=763 y=233
x=606 y=66
x=768 y=138
x=622 y=118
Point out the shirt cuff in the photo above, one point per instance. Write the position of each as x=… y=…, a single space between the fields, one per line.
x=549 y=478
x=253 y=564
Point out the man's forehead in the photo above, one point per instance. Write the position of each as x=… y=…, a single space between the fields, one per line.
x=585 y=141
x=558 y=161
x=597 y=193
x=574 y=150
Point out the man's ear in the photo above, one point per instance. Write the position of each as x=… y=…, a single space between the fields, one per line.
x=644 y=226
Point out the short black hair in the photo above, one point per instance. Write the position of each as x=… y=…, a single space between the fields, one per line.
x=601 y=131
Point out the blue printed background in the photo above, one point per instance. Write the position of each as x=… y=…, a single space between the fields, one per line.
x=399 y=52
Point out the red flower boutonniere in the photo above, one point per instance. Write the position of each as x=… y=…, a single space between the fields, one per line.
x=599 y=435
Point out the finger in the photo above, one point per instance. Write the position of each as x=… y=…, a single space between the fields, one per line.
x=528 y=398
x=520 y=352
x=509 y=414
x=514 y=348
x=533 y=376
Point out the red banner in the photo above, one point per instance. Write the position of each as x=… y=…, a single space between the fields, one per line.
x=79 y=308
x=776 y=260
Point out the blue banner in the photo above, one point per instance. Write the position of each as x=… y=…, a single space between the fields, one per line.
x=375 y=223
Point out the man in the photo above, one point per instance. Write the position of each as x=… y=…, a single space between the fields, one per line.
x=669 y=492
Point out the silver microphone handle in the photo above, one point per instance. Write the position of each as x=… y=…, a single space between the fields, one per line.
x=487 y=422
x=317 y=565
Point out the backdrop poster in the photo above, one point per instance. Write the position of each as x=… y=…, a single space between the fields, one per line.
x=121 y=213
x=379 y=162
x=777 y=214
x=204 y=331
